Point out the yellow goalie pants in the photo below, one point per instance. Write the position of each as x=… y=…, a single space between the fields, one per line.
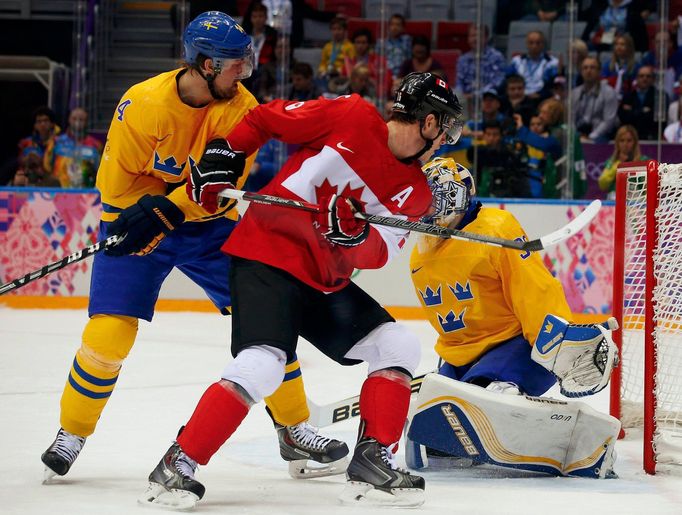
x=107 y=340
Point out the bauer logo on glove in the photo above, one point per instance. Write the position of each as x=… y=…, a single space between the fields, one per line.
x=219 y=168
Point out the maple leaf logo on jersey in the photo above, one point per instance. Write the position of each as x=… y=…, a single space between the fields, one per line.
x=326 y=190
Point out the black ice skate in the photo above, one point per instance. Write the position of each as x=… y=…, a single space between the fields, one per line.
x=300 y=443
x=172 y=484
x=59 y=456
x=374 y=478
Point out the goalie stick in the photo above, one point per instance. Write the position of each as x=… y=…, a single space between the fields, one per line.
x=57 y=265
x=553 y=238
x=328 y=414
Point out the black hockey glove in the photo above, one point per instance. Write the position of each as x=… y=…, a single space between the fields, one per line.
x=143 y=225
x=338 y=223
x=220 y=167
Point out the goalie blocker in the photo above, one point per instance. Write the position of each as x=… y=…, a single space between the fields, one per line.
x=460 y=420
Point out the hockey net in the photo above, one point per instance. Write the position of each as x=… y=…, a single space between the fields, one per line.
x=646 y=389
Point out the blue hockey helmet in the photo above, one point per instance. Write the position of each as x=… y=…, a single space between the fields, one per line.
x=219 y=37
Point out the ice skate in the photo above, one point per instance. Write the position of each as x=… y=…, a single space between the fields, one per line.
x=374 y=479
x=172 y=484
x=59 y=456
x=301 y=444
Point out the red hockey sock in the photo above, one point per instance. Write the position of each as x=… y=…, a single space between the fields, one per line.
x=384 y=401
x=218 y=414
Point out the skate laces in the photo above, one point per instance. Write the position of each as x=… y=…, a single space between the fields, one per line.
x=67 y=445
x=185 y=465
x=388 y=458
x=307 y=436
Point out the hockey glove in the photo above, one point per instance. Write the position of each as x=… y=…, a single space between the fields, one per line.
x=219 y=168
x=143 y=225
x=337 y=221
x=580 y=356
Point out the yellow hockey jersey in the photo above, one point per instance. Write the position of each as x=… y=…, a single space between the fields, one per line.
x=154 y=138
x=477 y=296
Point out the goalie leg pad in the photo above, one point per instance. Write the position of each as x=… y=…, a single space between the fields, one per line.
x=528 y=433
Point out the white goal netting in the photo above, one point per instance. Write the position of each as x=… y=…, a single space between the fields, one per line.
x=667 y=309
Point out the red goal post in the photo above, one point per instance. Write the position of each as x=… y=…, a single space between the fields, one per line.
x=646 y=390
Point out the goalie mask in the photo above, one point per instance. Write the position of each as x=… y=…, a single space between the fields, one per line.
x=219 y=37
x=452 y=188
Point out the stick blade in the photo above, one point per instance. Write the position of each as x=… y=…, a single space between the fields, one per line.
x=570 y=229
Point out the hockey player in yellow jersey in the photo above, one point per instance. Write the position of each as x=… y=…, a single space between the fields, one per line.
x=503 y=325
x=159 y=132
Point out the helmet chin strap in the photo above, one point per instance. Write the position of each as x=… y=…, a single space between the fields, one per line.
x=210 y=82
x=427 y=145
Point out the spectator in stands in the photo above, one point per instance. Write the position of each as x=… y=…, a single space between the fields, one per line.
x=540 y=145
x=421 y=60
x=626 y=148
x=73 y=157
x=639 y=107
x=674 y=67
x=543 y=10
x=263 y=36
x=673 y=131
x=335 y=51
x=493 y=66
x=621 y=68
x=558 y=89
x=397 y=48
x=31 y=171
x=360 y=83
x=674 y=107
x=490 y=112
x=300 y=9
x=45 y=128
x=516 y=100
x=537 y=67
x=302 y=86
x=596 y=105
x=579 y=52
x=380 y=75
x=551 y=112
x=500 y=170
x=271 y=74
x=608 y=18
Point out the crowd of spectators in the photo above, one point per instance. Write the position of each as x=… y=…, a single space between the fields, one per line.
x=515 y=135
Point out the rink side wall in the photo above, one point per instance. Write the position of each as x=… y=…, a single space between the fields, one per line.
x=39 y=226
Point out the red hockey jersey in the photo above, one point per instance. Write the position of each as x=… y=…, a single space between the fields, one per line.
x=344 y=150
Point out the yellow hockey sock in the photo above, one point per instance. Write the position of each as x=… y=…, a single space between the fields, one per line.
x=107 y=339
x=288 y=404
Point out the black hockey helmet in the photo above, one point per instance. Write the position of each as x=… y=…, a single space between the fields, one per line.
x=420 y=94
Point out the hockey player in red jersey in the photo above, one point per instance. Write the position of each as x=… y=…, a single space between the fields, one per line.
x=292 y=269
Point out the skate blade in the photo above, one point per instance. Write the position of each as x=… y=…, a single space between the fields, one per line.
x=309 y=469
x=48 y=476
x=364 y=494
x=157 y=496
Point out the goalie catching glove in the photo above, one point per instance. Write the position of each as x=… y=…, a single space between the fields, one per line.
x=219 y=168
x=337 y=221
x=580 y=356
x=143 y=225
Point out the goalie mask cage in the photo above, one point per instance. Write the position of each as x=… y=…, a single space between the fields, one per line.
x=646 y=390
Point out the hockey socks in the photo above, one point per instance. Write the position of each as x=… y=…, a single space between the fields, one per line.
x=384 y=401
x=220 y=411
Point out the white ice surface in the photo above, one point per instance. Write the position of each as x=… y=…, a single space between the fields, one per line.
x=174 y=360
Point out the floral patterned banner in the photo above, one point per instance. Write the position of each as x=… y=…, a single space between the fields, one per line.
x=39 y=226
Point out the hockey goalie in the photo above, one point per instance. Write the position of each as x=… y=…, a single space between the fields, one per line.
x=504 y=339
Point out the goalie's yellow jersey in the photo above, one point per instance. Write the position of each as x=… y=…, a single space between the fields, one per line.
x=154 y=138
x=477 y=296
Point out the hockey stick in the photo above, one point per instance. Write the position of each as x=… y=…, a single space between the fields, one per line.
x=553 y=238
x=322 y=416
x=58 y=265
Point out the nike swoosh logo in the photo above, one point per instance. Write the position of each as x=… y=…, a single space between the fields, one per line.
x=340 y=146
x=415 y=270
